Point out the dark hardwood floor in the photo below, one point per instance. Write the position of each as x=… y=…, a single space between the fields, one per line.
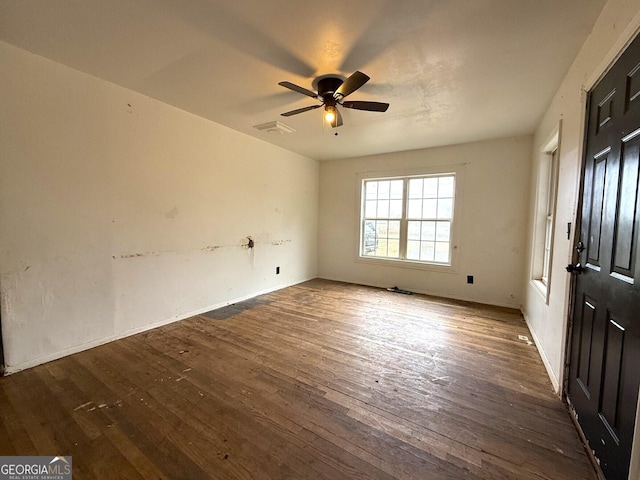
x=319 y=380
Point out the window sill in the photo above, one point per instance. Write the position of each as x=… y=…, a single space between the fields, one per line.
x=390 y=262
x=542 y=289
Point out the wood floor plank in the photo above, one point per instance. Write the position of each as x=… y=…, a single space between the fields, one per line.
x=321 y=380
x=15 y=440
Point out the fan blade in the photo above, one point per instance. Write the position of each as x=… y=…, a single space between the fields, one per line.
x=300 y=110
x=369 y=106
x=296 y=88
x=351 y=84
x=337 y=122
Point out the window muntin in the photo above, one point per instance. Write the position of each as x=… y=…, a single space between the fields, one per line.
x=408 y=218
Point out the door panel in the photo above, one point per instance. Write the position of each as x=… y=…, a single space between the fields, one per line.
x=605 y=345
x=585 y=344
x=632 y=98
x=610 y=398
x=626 y=215
x=597 y=204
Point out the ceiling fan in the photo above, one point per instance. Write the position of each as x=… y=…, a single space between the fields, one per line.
x=331 y=93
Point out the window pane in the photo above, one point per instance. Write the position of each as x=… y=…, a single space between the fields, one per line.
x=546 y=262
x=381 y=238
x=445 y=187
x=370 y=238
x=370 y=208
x=383 y=209
x=429 y=208
x=551 y=197
x=413 y=230
x=415 y=188
x=443 y=231
x=415 y=209
x=445 y=208
x=371 y=189
x=442 y=252
x=428 y=230
x=381 y=228
x=413 y=250
x=394 y=248
x=427 y=250
x=382 y=247
x=383 y=189
x=430 y=187
x=394 y=229
x=395 y=210
x=397 y=189
x=548 y=231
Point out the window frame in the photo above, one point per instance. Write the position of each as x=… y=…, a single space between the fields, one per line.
x=454 y=170
x=545 y=213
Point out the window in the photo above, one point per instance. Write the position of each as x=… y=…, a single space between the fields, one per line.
x=408 y=218
x=546 y=194
x=551 y=181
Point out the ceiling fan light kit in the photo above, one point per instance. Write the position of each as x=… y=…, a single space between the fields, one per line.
x=331 y=93
x=330 y=113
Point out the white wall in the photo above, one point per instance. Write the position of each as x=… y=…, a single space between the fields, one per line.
x=492 y=221
x=616 y=26
x=119 y=213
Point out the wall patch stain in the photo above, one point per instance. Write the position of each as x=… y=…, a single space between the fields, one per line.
x=130 y=110
x=211 y=248
x=277 y=243
x=135 y=255
x=173 y=213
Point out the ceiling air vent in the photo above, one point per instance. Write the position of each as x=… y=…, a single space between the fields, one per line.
x=274 y=128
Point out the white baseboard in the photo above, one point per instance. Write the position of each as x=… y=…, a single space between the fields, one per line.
x=10 y=369
x=547 y=365
x=431 y=294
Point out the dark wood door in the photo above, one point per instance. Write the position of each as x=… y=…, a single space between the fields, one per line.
x=604 y=372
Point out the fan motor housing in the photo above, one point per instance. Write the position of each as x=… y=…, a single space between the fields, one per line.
x=328 y=85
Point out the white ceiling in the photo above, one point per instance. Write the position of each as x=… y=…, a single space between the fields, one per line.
x=453 y=71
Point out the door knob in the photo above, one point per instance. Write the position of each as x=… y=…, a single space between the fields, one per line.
x=577 y=268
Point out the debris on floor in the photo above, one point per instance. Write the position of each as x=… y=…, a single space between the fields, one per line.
x=399 y=290
x=524 y=338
